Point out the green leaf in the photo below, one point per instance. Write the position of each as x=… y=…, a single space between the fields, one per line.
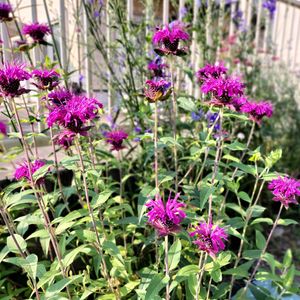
x=174 y=255
x=55 y=288
x=187 y=104
x=289 y=277
x=259 y=240
x=244 y=196
x=157 y=283
x=236 y=208
x=236 y=146
x=12 y=245
x=286 y=222
x=256 y=210
x=287 y=260
x=30 y=266
x=246 y=168
x=241 y=270
x=216 y=275
x=41 y=172
x=3 y=253
x=101 y=199
x=262 y=220
x=70 y=257
x=232 y=158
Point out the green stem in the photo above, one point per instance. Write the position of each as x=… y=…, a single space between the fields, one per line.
x=175 y=116
x=167 y=267
x=263 y=251
x=155 y=149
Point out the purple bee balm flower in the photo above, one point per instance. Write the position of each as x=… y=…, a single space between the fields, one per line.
x=3 y=129
x=45 y=79
x=60 y=96
x=75 y=113
x=270 y=5
x=5 y=11
x=23 y=170
x=157 y=67
x=209 y=238
x=37 y=31
x=116 y=138
x=238 y=102
x=65 y=138
x=165 y=218
x=10 y=77
x=258 y=110
x=223 y=89
x=285 y=190
x=168 y=39
x=214 y=71
x=157 y=90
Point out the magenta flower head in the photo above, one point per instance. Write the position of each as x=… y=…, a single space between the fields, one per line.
x=3 y=129
x=45 y=79
x=75 y=113
x=165 y=218
x=209 y=238
x=116 y=138
x=23 y=170
x=285 y=190
x=258 y=110
x=10 y=77
x=157 y=90
x=168 y=39
x=5 y=11
x=211 y=71
x=65 y=138
x=59 y=97
x=157 y=67
x=223 y=89
x=37 y=32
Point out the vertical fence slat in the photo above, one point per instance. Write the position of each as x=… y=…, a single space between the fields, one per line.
x=233 y=7
x=129 y=10
x=193 y=46
x=181 y=8
x=257 y=26
x=166 y=8
x=5 y=46
x=220 y=27
x=291 y=36
x=284 y=31
x=63 y=45
x=296 y=56
x=108 y=40
x=87 y=61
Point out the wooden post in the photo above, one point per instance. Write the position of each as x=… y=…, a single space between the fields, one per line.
x=63 y=44
x=166 y=8
x=257 y=26
x=296 y=56
x=129 y=11
x=87 y=61
x=108 y=40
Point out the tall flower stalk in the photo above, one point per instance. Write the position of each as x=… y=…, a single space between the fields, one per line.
x=174 y=121
x=263 y=251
